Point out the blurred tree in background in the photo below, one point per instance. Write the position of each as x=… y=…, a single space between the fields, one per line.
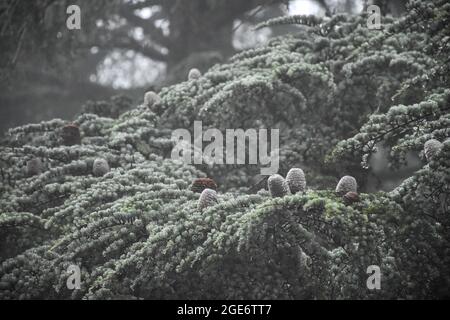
x=123 y=46
x=44 y=68
x=48 y=70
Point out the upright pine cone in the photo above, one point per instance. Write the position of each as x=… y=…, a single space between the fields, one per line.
x=100 y=167
x=151 y=98
x=71 y=135
x=346 y=184
x=208 y=198
x=34 y=167
x=296 y=180
x=278 y=187
x=200 y=184
x=194 y=74
x=431 y=148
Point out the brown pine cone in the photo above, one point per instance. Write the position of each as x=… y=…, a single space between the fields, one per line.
x=71 y=135
x=200 y=184
x=351 y=197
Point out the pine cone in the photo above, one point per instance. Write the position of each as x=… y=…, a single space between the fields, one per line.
x=351 y=197
x=208 y=198
x=431 y=148
x=34 y=167
x=296 y=180
x=71 y=135
x=100 y=167
x=200 y=184
x=194 y=74
x=151 y=98
x=278 y=187
x=346 y=184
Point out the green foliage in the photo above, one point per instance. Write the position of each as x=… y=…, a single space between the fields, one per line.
x=136 y=230
x=307 y=20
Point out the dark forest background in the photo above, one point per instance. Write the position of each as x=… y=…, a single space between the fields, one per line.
x=127 y=47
